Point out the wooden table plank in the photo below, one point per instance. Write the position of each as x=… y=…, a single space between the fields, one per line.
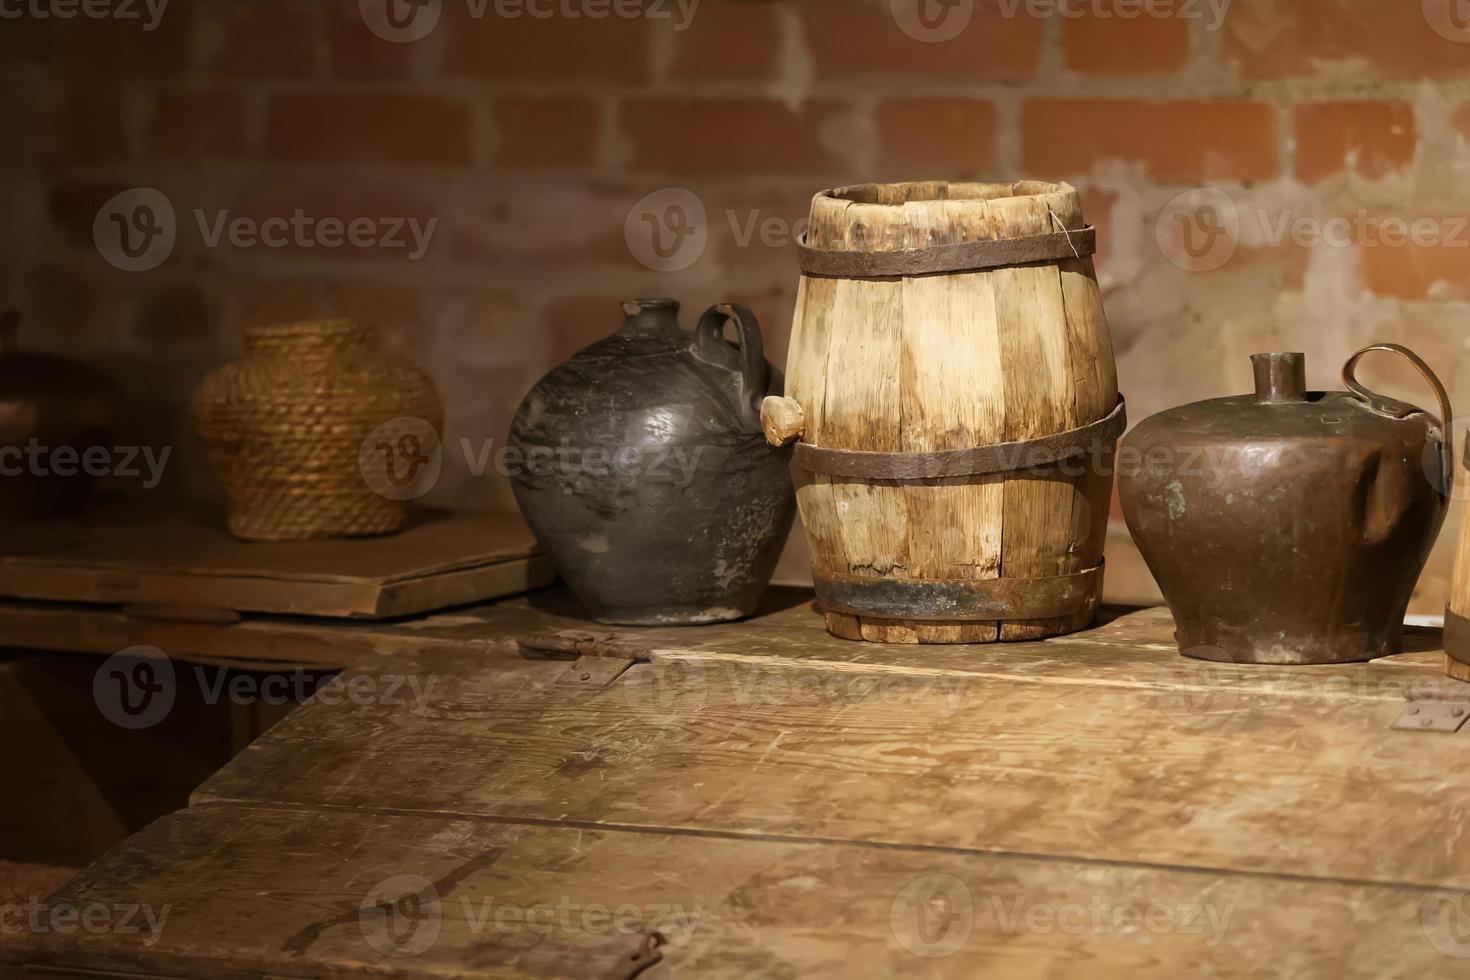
x=243 y=891
x=1132 y=648
x=438 y=560
x=1311 y=783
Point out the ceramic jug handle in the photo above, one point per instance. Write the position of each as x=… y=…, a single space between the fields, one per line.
x=1447 y=414
x=754 y=377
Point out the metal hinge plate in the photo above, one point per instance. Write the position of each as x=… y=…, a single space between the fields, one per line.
x=601 y=657
x=594 y=672
x=1433 y=716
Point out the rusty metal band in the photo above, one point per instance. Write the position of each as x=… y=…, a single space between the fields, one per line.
x=960 y=257
x=1457 y=636
x=1004 y=457
x=959 y=600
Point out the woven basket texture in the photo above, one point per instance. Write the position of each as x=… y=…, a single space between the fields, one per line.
x=286 y=427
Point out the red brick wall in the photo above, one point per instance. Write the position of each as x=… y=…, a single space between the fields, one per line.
x=546 y=149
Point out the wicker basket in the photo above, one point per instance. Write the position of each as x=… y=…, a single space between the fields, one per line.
x=295 y=427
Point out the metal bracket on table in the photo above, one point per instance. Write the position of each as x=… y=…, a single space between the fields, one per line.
x=1433 y=716
x=601 y=657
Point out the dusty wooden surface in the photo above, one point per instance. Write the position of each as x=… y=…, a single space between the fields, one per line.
x=1088 y=805
x=1128 y=647
x=507 y=900
x=438 y=560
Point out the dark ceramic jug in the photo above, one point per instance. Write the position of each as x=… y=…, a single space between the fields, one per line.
x=641 y=466
x=1289 y=527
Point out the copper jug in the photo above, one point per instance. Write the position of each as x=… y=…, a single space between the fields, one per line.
x=1288 y=526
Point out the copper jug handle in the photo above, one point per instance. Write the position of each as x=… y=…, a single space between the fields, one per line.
x=1379 y=403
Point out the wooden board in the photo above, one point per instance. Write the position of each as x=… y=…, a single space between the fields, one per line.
x=804 y=793
x=246 y=891
x=1167 y=772
x=438 y=560
x=1128 y=647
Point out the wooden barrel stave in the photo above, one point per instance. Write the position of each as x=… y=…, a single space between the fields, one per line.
x=939 y=362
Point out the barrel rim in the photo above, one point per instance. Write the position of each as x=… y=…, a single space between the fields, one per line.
x=868 y=194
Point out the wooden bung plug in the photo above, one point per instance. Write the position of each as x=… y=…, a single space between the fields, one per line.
x=782 y=420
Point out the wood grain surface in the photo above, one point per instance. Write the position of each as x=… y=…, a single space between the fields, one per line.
x=828 y=808
x=438 y=560
x=500 y=900
x=1164 y=772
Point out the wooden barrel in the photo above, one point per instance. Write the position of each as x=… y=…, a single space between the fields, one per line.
x=952 y=387
x=1457 y=612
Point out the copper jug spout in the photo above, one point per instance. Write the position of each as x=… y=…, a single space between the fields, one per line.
x=1280 y=378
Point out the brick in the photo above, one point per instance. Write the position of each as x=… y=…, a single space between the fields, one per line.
x=1174 y=140
x=355 y=52
x=861 y=38
x=266 y=39
x=545 y=132
x=27 y=40
x=1420 y=270
x=198 y=124
x=1379 y=138
x=529 y=49
x=533 y=221
x=112 y=49
x=73 y=204
x=1097 y=209
x=388 y=205
x=1115 y=45
x=173 y=316
x=382 y=127
x=1265 y=39
x=944 y=138
x=753 y=228
x=729 y=136
x=724 y=40
x=91 y=128
x=573 y=322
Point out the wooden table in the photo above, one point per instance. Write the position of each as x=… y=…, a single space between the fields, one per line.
x=760 y=799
